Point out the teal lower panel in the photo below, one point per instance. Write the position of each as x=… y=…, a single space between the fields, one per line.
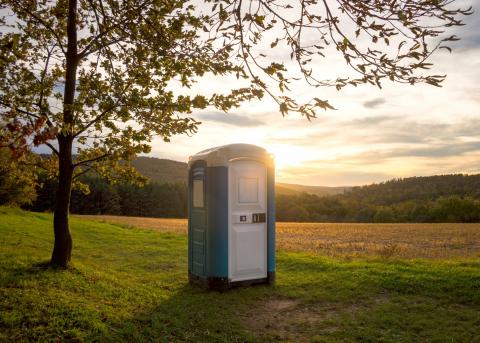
x=217 y=222
x=198 y=269
x=197 y=242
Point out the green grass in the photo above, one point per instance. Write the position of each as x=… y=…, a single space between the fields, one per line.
x=131 y=285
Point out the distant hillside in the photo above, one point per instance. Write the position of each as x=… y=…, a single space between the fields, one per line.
x=161 y=170
x=422 y=188
x=440 y=198
x=290 y=188
x=168 y=171
x=443 y=198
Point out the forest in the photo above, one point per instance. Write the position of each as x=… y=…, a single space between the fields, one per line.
x=445 y=198
x=166 y=200
x=441 y=198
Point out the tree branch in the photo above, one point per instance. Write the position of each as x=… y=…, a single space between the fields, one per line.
x=19 y=109
x=76 y=176
x=94 y=159
x=42 y=22
x=55 y=151
x=42 y=79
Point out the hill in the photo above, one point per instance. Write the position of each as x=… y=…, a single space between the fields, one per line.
x=169 y=171
x=161 y=170
x=439 y=198
x=290 y=188
x=417 y=188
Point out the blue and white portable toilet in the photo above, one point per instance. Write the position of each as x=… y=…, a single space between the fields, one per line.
x=231 y=216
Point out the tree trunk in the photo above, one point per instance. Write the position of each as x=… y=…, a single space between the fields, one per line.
x=62 y=248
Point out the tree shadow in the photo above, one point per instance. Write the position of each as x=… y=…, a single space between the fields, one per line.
x=15 y=271
x=14 y=274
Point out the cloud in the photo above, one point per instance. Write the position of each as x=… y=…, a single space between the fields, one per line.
x=303 y=138
x=374 y=103
x=397 y=129
x=331 y=176
x=373 y=135
x=470 y=39
x=231 y=119
x=426 y=152
x=444 y=150
x=372 y=121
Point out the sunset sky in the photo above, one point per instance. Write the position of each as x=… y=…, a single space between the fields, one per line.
x=374 y=135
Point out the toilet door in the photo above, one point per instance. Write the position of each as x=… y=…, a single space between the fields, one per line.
x=247 y=220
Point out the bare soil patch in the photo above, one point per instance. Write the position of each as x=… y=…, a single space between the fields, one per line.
x=290 y=320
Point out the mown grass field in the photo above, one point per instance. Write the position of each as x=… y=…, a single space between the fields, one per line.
x=129 y=284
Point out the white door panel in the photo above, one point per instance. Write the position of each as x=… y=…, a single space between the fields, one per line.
x=247 y=220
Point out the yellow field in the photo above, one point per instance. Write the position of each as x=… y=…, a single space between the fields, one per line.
x=351 y=239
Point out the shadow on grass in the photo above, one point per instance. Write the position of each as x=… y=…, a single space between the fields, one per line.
x=166 y=309
x=188 y=313
x=13 y=274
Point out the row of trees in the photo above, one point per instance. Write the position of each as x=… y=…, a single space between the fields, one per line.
x=445 y=198
x=441 y=198
x=152 y=200
x=420 y=187
x=448 y=198
x=311 y=208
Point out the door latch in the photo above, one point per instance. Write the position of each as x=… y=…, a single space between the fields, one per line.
x=259 y=217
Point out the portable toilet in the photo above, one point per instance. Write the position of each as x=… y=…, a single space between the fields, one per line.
x=231 y=216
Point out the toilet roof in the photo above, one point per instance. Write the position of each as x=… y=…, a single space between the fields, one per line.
x=221 y=155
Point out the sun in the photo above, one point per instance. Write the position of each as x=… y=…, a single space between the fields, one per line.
x=288 y=156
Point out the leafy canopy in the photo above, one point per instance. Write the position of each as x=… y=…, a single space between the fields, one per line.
x=17 y=179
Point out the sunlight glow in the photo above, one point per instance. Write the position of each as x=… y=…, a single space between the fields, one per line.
x=288 y=156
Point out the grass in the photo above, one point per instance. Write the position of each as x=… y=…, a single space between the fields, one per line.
x=129 y=284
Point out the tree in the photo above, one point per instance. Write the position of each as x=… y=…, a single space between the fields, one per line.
x=104 y=77
x=102 y=197
x=17 y=180
x=456 y=209
x=384 y=214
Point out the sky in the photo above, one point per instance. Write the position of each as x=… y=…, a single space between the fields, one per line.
x=373 y=135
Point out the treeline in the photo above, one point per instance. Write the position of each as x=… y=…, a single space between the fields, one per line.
x=446 y=198
x=311 y=208
x=449 y=198
x=152 y=200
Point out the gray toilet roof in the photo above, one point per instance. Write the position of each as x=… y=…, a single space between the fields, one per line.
x=221 y=155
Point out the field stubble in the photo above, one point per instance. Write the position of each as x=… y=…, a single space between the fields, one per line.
x=405 y=240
